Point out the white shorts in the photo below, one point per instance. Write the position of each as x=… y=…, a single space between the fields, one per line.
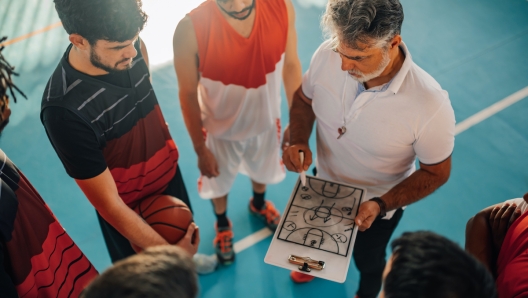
x=257 y=157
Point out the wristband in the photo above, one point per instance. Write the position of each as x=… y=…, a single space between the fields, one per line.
x=383 y=207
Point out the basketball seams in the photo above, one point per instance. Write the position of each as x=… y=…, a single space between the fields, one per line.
x=169 y=225
x=164 y=208
x=141 y=210
x=159 y=212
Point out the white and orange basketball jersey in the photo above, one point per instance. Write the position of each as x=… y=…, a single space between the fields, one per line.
x=239 y=87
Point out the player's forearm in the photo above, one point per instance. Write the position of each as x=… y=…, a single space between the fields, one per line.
x=192 y=116
x=417 y=186
x=131 y=226
x=302 y=119
x=292 y=77
x=102 y=193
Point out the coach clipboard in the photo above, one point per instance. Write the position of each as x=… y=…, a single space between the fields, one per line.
x=317 y=232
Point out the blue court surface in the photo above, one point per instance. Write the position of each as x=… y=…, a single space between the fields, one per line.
x=476 y=49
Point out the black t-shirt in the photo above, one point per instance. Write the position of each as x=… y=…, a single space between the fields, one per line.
x=82 y=159
x=119 y=129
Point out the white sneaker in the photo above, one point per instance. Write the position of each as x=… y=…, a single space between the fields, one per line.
x=205 y=264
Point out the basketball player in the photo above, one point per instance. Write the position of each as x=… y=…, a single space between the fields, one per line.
x=426 y=265
x=29 y=233
x=158 y=272
x=376 y=111
x=104 y=122
x=229 y=56
x=498 y=237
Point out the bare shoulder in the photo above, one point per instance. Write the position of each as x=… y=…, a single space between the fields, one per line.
x=290 y=9
x=184 y=37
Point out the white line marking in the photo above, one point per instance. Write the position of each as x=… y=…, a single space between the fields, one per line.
x=252 y=239
x=462 y=126
x=491 y=110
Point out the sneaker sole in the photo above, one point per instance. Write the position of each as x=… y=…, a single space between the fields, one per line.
x=262 y=218
x=225 y=262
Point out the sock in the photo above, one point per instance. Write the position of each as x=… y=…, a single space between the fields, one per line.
x=258 y=200
x=221 y=220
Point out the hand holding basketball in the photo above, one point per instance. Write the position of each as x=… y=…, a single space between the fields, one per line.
x=171 y=219
x=190 y=241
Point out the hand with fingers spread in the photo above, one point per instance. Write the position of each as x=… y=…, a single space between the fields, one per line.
x=191 y=240
x=292 y=158
x=207 y=163
x=368 y=212
x=500 y=220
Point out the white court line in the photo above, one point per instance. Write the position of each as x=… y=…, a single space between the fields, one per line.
x=262 y=234
x=491 y=110
x=252 y=239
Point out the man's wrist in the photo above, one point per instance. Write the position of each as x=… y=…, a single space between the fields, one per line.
x=298 y=141
x=199 y=148
x=382 y=205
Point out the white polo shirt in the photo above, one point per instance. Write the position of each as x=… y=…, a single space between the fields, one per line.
x=387 y=127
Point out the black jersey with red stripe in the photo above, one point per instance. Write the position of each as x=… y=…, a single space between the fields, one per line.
x=125 y=125
x=39 y=258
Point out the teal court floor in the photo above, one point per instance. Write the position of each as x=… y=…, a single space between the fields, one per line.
x=476 y=49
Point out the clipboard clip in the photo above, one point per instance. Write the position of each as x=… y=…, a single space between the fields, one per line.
x=306 y=263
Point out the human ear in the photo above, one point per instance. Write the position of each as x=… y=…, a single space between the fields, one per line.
x=78 y=41
x=395 y=42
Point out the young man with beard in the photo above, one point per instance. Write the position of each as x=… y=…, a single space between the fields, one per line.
x=376 y=111
x=103 y=120
x=37 y=257
x=229 y=57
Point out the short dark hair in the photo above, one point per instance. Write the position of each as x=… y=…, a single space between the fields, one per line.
x=425 y=264
x=112 y=20
x=162 y=271
x=353 y=21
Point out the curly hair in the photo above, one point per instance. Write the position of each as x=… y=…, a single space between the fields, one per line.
x=6 y=83
x=6 y=71
x=362 y=21
x=111 y=20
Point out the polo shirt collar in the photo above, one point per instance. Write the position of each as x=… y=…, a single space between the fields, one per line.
x=398 y=79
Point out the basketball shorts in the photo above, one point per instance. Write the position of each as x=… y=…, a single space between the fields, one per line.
x=258 y=157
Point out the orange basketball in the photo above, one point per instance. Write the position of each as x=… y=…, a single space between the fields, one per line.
x=167 y=215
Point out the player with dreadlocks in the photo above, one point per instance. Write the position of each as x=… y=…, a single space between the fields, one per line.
x=37 y=257
x=6 y=71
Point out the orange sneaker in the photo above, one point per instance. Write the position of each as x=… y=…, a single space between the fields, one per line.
x=301 y=278
x=269 y=214
x=223 y=244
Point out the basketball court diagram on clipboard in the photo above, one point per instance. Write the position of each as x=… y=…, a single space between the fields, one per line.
x=317 y=231
x=321 y=216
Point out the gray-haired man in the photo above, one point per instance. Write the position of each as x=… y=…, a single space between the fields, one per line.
x=376 y=112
